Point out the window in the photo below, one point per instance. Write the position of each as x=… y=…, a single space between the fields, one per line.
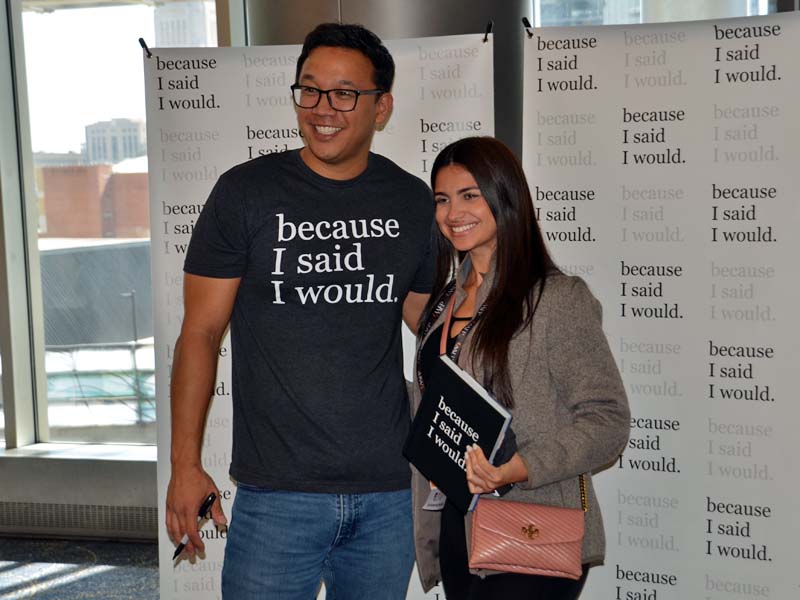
x=85 y=97
x=560 y=13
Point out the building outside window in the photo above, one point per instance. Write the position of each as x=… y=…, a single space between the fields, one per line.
x=128 y=138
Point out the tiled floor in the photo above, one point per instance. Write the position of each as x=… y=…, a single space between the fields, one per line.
x=77 y=570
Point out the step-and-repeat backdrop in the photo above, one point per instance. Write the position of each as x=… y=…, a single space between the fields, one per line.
x=211 y=108
x=662 y=162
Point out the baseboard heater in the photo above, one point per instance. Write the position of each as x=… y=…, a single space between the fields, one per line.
x=79 y=520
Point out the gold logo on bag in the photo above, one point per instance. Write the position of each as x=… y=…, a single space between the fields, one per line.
x=531 y=531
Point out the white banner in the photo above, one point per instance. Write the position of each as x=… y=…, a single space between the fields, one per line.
x=663 y=164
x=209 y=109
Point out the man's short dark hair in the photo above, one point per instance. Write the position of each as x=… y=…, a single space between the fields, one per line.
x=355 y=37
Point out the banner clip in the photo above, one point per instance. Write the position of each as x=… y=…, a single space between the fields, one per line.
x=143 y=44
x=527 y=25
x=489 y=27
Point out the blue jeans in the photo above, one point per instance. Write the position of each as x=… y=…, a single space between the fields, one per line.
x=282 y=545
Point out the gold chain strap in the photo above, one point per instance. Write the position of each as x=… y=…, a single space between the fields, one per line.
x=584 y=505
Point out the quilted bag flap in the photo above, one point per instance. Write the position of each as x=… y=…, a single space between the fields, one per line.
x=529 y=524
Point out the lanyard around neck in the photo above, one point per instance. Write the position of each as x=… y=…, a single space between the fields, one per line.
x=447 y=303
x=462 y=334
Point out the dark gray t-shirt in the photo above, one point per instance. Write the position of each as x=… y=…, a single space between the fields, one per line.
x=319 y=398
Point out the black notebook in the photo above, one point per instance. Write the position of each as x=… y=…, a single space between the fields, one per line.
x=455 y=412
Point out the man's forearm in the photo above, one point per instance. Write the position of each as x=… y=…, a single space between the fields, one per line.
x=193 y=376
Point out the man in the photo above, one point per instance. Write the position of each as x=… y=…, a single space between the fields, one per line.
x=312 y=256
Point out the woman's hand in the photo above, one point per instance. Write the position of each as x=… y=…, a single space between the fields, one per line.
x=483 y=477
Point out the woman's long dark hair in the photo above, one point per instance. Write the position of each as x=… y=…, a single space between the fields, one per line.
x=521 y=258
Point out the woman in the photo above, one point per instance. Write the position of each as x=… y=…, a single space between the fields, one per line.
x=531 y=335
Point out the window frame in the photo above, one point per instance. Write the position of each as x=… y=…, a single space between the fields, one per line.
x=22 y=340
x=21 y=330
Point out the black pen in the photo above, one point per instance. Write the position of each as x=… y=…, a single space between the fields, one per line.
x=204 y=507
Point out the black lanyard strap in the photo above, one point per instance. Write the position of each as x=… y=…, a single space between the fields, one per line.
x=447 y=302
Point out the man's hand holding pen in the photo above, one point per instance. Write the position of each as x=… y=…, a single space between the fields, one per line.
x=190 y=495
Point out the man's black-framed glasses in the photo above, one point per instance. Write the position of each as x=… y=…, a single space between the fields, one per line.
x=343 y=100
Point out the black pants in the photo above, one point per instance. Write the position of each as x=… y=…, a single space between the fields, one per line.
x=460 y=584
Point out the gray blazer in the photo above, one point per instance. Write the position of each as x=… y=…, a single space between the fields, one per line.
x=570 y=411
